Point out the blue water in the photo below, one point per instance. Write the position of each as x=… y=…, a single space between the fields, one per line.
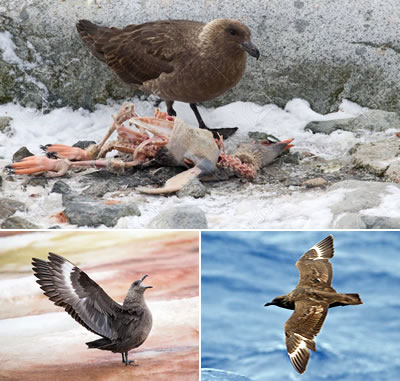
x=243 y=270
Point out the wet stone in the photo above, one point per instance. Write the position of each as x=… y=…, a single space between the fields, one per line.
x=5 y=127
x=263 y=136
x=359 y=196
x=194 y=188
x=327 y=126
x=18 y=223
x=181 y=217
x=83 y=143
x=381 y=222
x=61 y=187
x=131 y=178
x=381 y=158
x=315 y=183
x=86 y=211
x=373 y=120
x=99 y=189
x=36 y=181
x=290 y=158
x=22 y=153
x=8 y=207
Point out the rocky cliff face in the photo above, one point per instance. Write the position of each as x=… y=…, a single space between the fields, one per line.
x=320 y=51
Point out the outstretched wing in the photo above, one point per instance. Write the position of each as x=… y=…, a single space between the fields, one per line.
x=300 y=330
x=69 y=287
x=314 y=266
x=139 y=53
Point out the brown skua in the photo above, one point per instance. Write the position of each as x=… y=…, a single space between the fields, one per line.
x=122 y=327
x=177 y=60
x=310 y=301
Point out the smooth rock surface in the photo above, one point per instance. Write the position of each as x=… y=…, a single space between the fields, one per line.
x=352 y=212
x=376 y=222
x=194 y=188
x=315 y=183
x=86 y=211
x=8 y=207
x=381 y=158
x=180 y=217
x=322 y=52
x=104 y=181
x=61 y=187
x=21 y=154
x=372 y=120
x=5 y=125
x=17 y=223
x=393 y=172
x=35 y=181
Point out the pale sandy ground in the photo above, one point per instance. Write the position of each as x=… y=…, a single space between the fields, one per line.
x=40 y=341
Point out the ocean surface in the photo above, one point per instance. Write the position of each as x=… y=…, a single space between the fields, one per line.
x=241 y=271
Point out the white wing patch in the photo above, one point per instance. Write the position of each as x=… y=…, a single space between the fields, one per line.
x=318 y=251
x=301 y=346
x=299 y=357
x=67 y=269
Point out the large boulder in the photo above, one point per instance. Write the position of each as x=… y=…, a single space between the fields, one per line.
x=320 y=51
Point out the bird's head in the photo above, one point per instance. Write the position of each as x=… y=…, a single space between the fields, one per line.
x=281 y=301
x=232 y=34
x=138 y=287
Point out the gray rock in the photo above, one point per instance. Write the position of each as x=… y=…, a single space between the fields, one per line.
x=22 y=153
x=8 y=207
x=360 y=196
x=100 y=188
x=194 y=188
x=380 y=222
x=393 y=172
x=373 y=120
x=328 y=126
x=350 y=221
x=1 y=181
x=61 y=187
x=180 y=217
x=18 y=223
x=315 y=183
x=85 y=211
x=376 y=120
x=321 y=52
x=381 y=158
x=83 y=143
x=131 y=178
x=36 y=181
x=257 y=135
x=5 y=127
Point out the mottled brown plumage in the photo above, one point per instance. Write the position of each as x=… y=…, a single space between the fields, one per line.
x=177 y=60
x=310 y=301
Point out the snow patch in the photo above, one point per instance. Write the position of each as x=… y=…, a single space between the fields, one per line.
x=390 y=204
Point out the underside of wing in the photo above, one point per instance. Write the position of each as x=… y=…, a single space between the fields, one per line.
x=314 y=266
x=300 y=330
x=71 y=288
